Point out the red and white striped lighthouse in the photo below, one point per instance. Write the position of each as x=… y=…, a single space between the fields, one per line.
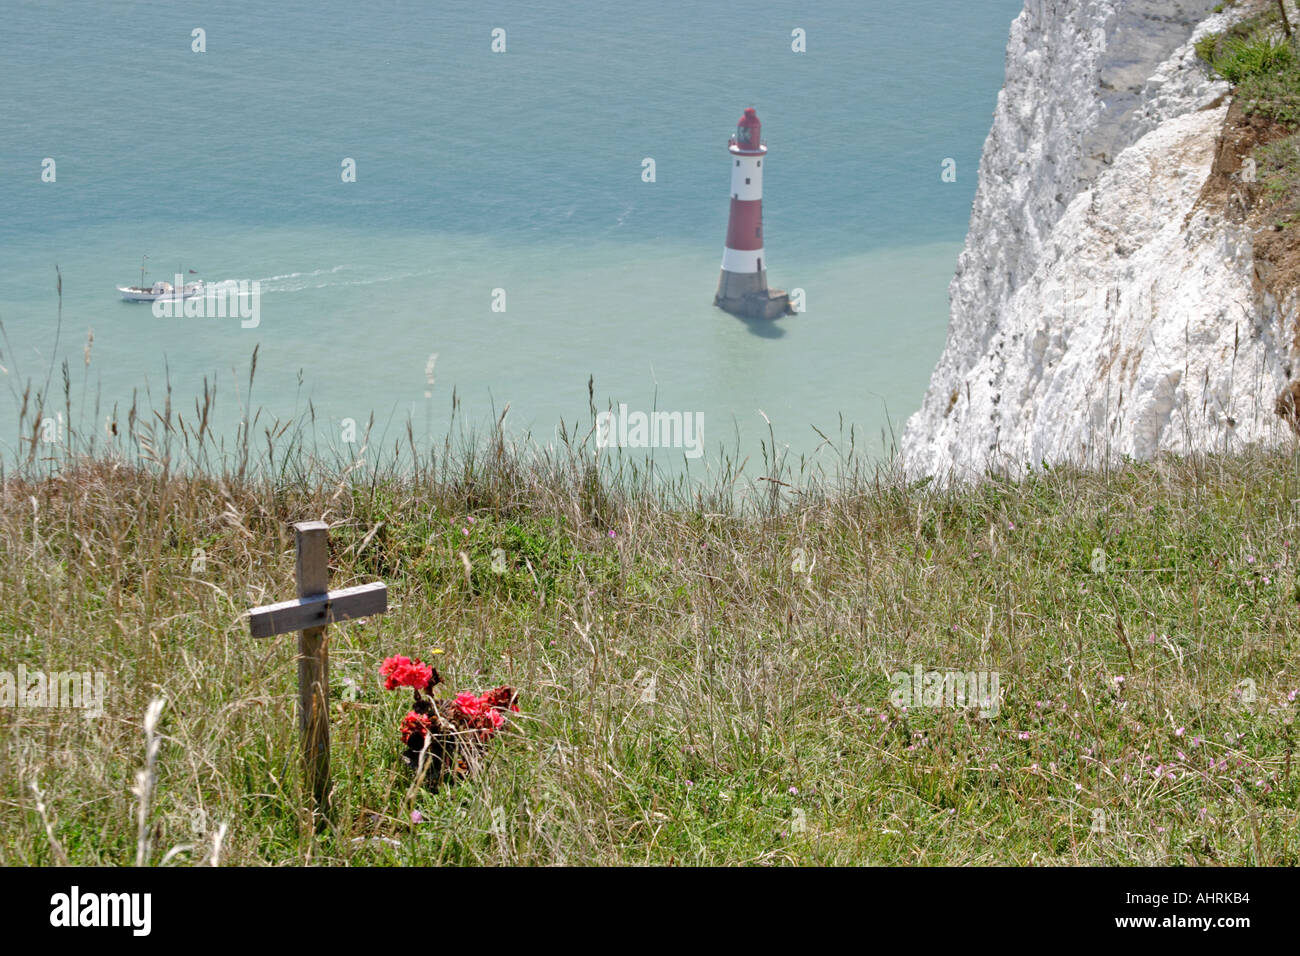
x=742 y=288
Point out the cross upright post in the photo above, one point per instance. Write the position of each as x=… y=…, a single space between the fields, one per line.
x=313 y=574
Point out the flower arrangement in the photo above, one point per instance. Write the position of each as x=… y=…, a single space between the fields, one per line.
x=445 y=735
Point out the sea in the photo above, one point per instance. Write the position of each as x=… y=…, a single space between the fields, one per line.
x=506 y=202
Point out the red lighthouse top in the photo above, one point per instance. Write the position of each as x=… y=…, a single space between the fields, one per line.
x=749 y=135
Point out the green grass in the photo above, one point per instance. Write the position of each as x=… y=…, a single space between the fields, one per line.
x=1255 y=57
x=1207 y=46
x=1258 y=56
x=1279 y=173
x=688 y=695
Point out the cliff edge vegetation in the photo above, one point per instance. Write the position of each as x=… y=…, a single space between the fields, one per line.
x=1256 y=174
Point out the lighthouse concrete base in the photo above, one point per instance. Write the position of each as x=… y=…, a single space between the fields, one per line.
x=746 y=294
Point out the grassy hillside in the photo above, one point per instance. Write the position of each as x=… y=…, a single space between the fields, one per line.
x=704 y=677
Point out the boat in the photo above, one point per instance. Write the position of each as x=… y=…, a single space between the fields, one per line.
x=161 y=291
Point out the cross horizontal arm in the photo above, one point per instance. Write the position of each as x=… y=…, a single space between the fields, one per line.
x=318 y=609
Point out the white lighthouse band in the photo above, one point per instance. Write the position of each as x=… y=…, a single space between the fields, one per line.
x=742 y=260
x=747 y=177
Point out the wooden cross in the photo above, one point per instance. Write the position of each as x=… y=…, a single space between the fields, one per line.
x=315 y=607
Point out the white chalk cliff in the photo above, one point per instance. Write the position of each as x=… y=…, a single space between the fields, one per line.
x=1095 y=315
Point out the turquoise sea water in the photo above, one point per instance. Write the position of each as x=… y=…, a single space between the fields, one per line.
x=478 y=171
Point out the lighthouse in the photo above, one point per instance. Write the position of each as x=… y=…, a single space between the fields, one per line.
x=742 y=288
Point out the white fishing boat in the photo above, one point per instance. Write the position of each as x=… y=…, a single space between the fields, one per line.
x=161 y=291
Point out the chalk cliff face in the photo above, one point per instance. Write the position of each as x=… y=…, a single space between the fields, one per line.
x=1099 y=310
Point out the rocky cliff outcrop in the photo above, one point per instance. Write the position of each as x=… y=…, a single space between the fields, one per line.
x=1102 y=306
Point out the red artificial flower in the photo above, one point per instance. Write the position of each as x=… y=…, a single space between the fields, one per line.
x=413 y=724
x=501 y=698
x=469 y=706
x=487 y=723
x=403 y=672
x=481 y=713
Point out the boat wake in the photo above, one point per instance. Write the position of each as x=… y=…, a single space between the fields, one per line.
x=310 y=281
x=300 y=275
